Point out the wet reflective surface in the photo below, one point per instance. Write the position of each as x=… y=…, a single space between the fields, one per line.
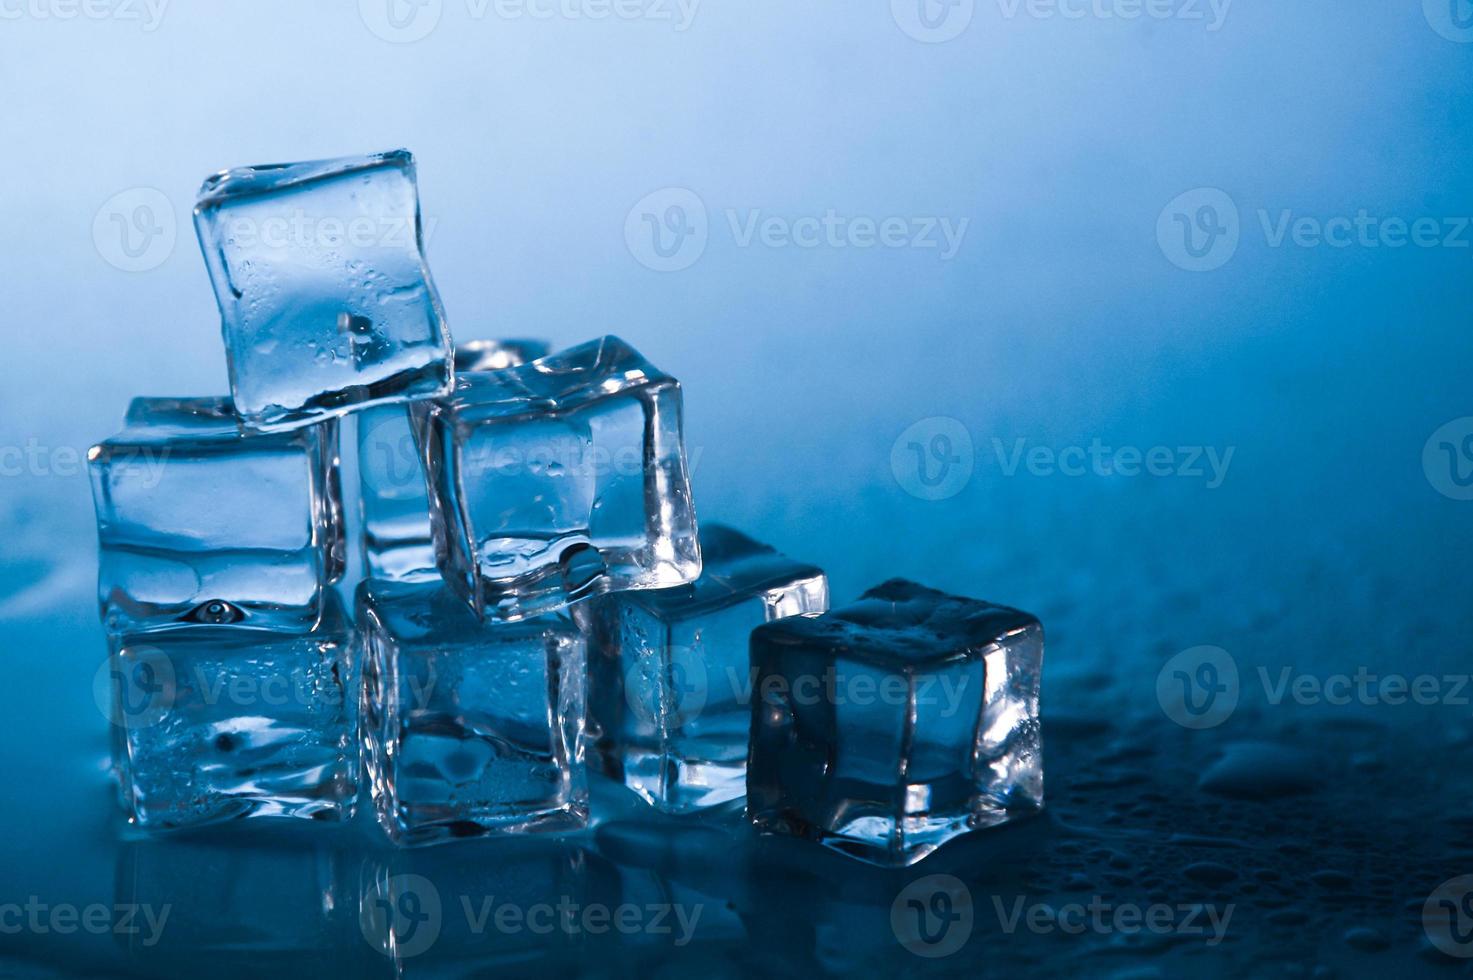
x=1280 y=844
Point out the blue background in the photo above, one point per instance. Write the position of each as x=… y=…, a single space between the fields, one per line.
x=1062 y=319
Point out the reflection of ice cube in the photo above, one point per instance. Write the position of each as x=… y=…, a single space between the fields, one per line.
x=320 y=275
x=471 y=728
x=891 y=726
x=562 y=478
x=669 y=695
x=201 y=523
x=232 y=908
x=397 y=541
x=489 y=908
x=214 y=723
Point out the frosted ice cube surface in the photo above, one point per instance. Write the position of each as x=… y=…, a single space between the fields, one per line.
x=325 y=296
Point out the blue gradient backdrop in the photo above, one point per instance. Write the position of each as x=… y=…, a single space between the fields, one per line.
x=1063 y=318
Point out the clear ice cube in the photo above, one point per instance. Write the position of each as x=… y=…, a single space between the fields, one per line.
x=886 y=728
x=201 y=523
x=218 y=723
x=397 y=541
x=470 y=728
x=563 y=478
x=669 y=681
x=326 y=300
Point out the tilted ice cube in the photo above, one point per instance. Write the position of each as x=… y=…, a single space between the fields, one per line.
x=470 y=728
x=199 y=522
x=559 y=479
x=397 y=541
x=889 y=727
x=215 y=723
x=320 y=274
x=669 y=683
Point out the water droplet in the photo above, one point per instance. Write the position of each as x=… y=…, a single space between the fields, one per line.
x=216 y=612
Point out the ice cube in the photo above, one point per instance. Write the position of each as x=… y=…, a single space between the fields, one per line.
x=563 y=478
x=669 y=684
x=470 y=728
x=326 y=301
x=215 y=723
x=397 y=542
x=202 y=523
x=886 y=728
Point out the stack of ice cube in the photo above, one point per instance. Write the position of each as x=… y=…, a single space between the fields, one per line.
x=538 y=595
